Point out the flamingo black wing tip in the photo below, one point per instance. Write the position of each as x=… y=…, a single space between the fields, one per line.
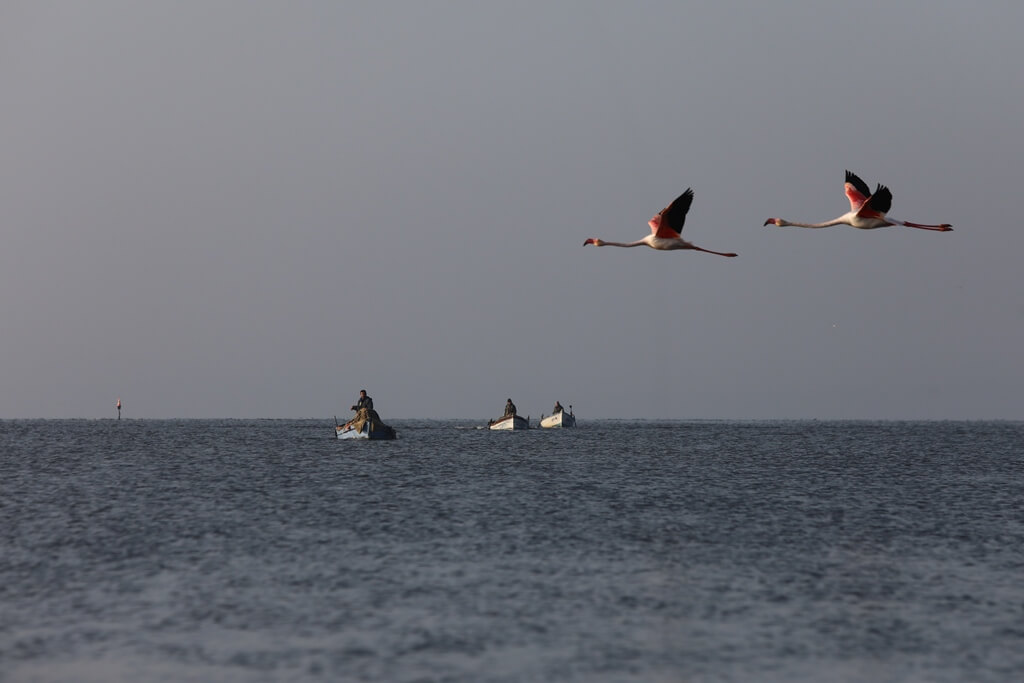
x=674 y=215
x=881 y=200
x=859 y=184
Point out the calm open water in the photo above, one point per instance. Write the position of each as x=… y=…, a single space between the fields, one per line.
x=265 y=550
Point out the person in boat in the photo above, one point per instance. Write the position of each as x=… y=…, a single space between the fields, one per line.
x=557 y=409
x=363 y=402
x=510 y=408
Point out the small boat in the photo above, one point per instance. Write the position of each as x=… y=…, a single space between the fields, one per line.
x=509 y=422
x=560 y=420
x=364 y=427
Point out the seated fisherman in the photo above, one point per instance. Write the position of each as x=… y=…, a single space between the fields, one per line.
x=363 y=402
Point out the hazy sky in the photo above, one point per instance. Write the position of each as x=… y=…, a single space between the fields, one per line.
x=255 y=209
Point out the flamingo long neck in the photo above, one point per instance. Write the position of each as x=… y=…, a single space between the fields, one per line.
x=834 y=221
x=639 y=243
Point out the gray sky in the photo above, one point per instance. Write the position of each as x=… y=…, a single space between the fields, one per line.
x=255 y=209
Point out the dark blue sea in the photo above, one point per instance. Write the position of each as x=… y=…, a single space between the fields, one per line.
x=267 y=550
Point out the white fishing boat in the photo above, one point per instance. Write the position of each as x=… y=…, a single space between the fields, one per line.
x=560 y=420
x=509 y=422
x=365 y=427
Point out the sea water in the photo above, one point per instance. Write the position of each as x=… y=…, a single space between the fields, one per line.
x=266 y=550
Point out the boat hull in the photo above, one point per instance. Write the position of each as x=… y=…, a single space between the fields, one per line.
x=380 y=432
x=561 y=420
x=509 y=423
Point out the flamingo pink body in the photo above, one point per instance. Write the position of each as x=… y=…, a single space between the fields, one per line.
x=867 y=210
x=666 y=227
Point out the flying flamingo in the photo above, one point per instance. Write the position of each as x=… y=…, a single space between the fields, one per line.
x=665 y=229
x=867 y=211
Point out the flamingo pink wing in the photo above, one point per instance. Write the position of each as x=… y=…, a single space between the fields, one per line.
x=668 y=224
x=857 y=191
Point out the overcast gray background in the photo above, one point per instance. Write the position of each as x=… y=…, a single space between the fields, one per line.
x=255 y=209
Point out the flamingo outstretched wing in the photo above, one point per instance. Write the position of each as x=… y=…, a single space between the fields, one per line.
x=881 y=200
x=669 y=222
x=857 y=191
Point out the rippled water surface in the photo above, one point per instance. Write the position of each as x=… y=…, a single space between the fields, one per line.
x=619 y=551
